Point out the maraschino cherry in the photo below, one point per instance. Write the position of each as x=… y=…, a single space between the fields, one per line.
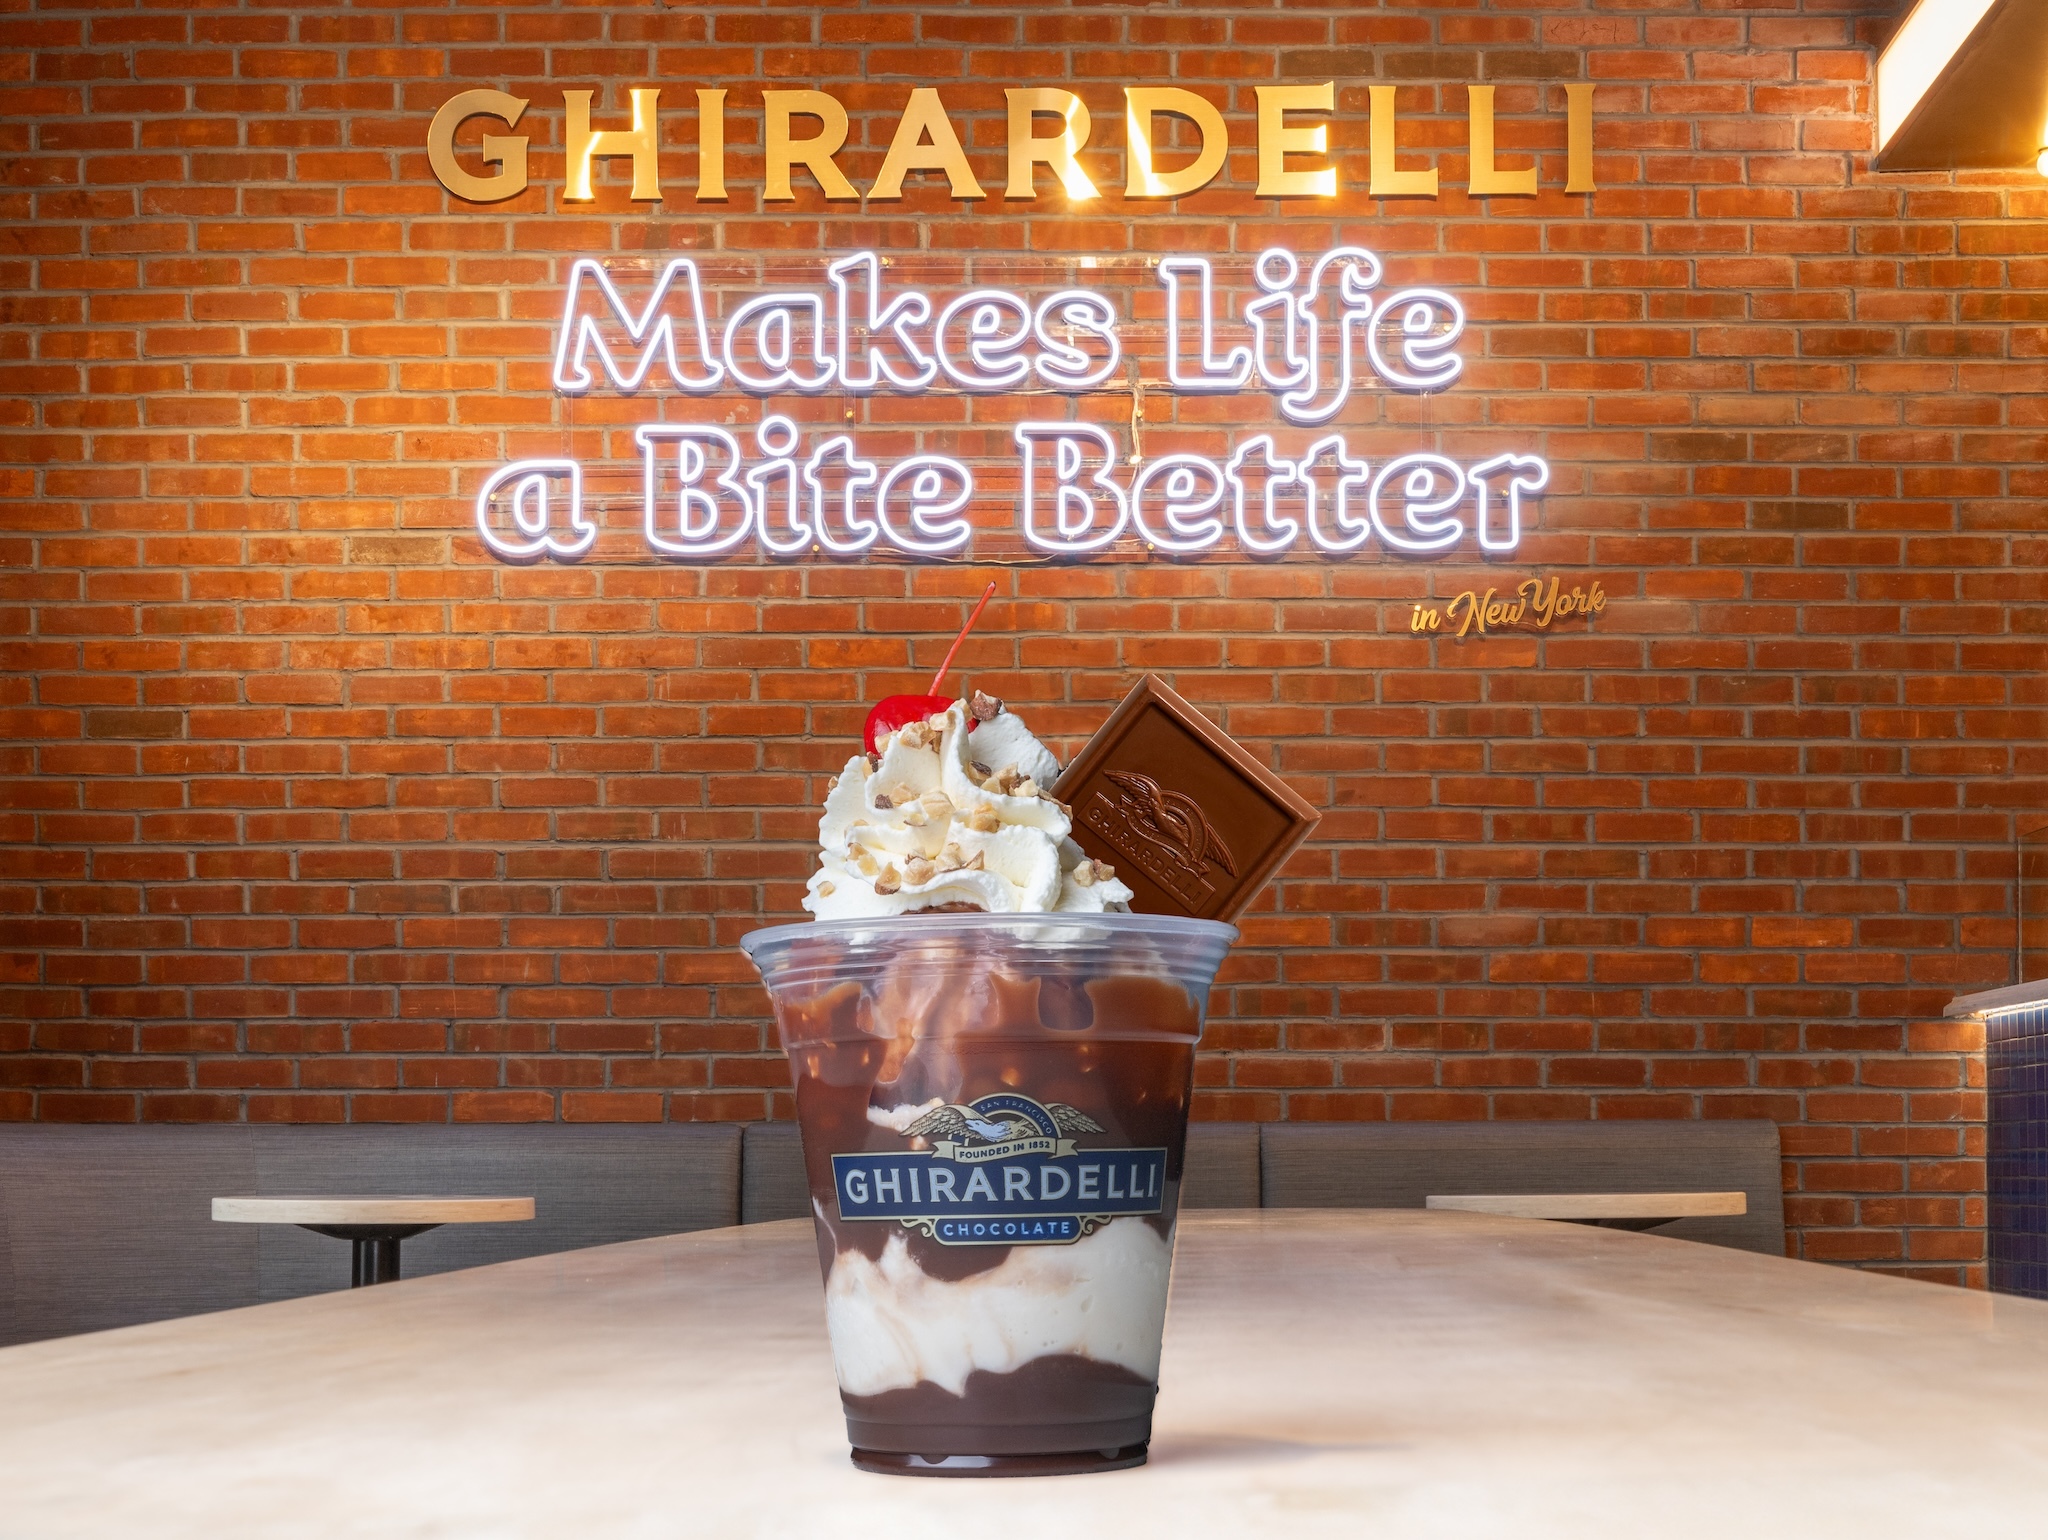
x=894 y=711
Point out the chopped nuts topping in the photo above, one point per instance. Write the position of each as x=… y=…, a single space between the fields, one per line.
x=979 y=771
x=983 y=820
x=936 y=803
x=917 y=871
x=864 y=861
x=936 y=721
x=1088 y=873
x=950 y=859
x=985 y=708
x=915 y=816
x=826 y=890
x=918 y=735
x=895 y=796
x=890 y=881
x=973 y=863
x=1026 y=788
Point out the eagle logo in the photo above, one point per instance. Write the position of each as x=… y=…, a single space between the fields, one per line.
x=1171 y=820
x=999 y=1124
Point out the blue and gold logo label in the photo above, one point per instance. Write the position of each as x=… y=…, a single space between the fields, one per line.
x=1002 y=1171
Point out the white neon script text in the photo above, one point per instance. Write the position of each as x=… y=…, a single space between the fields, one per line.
x=1313 y=334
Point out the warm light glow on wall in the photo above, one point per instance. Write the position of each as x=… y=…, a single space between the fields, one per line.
x=1918 y=54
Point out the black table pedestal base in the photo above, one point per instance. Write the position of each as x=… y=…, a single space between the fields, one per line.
x=374 y=1249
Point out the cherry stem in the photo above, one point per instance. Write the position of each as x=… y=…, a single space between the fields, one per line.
x=975 y=614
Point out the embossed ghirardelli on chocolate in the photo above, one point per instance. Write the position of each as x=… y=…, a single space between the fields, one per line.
x=1164 y=832
x=1193 y=823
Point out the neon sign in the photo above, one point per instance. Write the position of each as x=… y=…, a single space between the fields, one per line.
x=1315 y=336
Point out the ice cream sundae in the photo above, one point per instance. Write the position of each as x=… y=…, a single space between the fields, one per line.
x=993 y=1058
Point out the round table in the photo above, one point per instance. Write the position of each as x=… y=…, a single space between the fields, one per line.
x=1411 y=1375
x=373 y=1227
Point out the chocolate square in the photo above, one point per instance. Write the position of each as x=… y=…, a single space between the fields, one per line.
x=1190 y=821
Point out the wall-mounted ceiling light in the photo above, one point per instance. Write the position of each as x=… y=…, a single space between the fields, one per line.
x=1963 y=86
x=1917 y=54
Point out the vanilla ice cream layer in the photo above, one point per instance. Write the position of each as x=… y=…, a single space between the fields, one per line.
x=1102 y=1298
x=946 y=816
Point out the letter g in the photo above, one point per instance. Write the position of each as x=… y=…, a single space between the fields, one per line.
x=497 y=150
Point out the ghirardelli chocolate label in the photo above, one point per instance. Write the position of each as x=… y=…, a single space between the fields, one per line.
x=1193 y=823
x=1001 y=1171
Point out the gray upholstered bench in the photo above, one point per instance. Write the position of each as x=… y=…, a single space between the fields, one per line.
x=1401 y=1165
x=112 y=1226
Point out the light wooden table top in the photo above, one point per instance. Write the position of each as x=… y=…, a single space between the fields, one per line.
x=1411 y=1375
x=372 y=1211
x=1594 y=1205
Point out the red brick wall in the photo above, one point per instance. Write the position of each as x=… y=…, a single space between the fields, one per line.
x=313 y=812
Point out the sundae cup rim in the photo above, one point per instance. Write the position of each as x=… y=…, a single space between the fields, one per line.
x=1160 y=926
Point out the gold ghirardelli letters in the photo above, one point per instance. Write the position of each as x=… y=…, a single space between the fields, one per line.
x=586 y=145
x=1028 y=146
x=1277 y=141
x=804 y=130
x=813 y=152
x=1140 y=104
x=1388 y=180
x=497 y=149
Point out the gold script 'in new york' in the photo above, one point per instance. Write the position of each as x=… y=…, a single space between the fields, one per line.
x=1534 y=606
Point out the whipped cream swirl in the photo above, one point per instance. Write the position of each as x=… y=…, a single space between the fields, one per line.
x=944 y=816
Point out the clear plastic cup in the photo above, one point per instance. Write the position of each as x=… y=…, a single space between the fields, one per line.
x=993 y=1109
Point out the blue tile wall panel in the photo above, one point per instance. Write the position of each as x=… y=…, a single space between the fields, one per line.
x=2016 y=1061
